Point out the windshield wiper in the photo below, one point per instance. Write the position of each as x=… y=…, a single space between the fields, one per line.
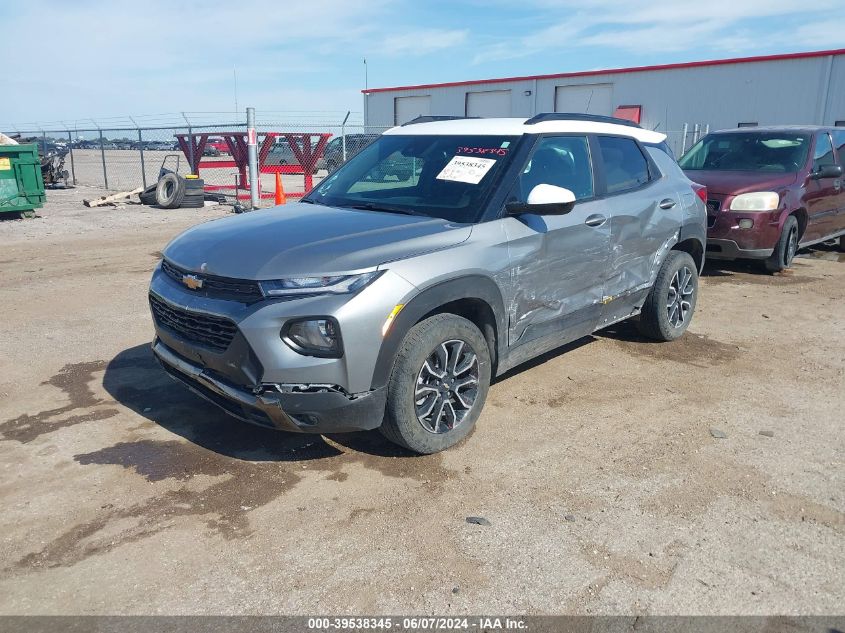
x=307 y=201
x=369 y=206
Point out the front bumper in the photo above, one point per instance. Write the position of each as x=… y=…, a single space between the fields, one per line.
x=726 y=240
x=318 y=412
x=729 y=249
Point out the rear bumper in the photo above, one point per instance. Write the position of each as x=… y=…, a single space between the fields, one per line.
x=729 y=249
x=323 y=411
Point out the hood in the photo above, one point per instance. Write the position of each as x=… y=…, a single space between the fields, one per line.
x=728 y=183
x=308 y=239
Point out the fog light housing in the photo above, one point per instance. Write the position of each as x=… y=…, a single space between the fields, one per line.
x=746 y=223
x=314 y=336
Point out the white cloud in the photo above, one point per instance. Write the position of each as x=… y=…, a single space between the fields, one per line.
x=423 y=41
x=114 y=58
x=669 y=25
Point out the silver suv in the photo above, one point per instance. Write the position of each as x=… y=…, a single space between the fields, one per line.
x=442 y=255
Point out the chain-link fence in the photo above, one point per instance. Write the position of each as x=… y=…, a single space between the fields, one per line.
x=302 y=147
x=681 y=140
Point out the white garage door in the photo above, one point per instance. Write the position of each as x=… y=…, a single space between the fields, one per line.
x=589 y=98
x=408 y=108
x=490 y=103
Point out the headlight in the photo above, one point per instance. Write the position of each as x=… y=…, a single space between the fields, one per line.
x=757 y=201
x=314 y=336
x=336 y=285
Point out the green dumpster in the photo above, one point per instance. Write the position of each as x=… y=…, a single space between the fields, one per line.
x=21 y=185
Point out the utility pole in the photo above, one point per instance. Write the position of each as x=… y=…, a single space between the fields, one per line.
x=252 y=149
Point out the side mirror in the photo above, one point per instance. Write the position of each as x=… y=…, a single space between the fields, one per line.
x=827 y=171
x=544 y=200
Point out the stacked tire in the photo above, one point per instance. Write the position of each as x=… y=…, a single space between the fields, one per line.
x=173 y=191
x=194 y=197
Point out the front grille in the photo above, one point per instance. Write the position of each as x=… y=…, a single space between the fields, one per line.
x=215 y=333
x=215 y=287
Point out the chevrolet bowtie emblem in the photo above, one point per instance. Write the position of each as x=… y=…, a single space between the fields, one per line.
x=191 y=281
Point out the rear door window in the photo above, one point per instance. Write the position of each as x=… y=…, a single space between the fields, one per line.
x=824 y=152
x=625 y=167
x=839 y=142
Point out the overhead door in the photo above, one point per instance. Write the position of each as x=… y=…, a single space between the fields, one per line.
x=408 y=108
x=490 y=103
x=589 y=98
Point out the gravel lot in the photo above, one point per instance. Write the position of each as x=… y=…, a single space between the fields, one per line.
x=596 y=466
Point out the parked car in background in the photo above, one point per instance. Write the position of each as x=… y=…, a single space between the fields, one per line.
x=160 y=146
x=219 y=144
x=770 y=190
x=332 y=157
x=281 y=153
x=210 y=150
x=387 y=303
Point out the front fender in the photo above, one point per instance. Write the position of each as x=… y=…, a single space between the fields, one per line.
x=428 y=301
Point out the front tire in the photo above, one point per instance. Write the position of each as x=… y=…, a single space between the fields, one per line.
x=785 y=248
x=438 y=384
x=670 y=303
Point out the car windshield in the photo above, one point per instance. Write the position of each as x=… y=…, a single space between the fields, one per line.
x=448 y=177
x=748 y=151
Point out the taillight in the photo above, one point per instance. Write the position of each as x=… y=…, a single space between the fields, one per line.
x=700 y=191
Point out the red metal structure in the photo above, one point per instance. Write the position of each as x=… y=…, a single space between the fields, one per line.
x=306 y=147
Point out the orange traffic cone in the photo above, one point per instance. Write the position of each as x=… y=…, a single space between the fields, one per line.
x=280 y=190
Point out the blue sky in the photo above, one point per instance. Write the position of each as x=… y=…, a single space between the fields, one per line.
x=106 y=59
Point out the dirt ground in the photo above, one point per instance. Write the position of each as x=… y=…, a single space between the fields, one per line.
x=596 y=466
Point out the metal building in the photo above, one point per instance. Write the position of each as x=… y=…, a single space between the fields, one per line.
x=682 y=100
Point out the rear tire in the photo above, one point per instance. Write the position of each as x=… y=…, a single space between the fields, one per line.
x=438 y=384
x=670 y=303
x=170 y=191
x=785 y=248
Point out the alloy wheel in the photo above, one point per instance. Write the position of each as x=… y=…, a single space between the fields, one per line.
x=679 y=302
x=447 y=386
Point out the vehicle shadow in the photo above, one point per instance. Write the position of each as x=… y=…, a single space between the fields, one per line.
x=728 y=268
x=732 y=267
x=543 y=358
x=136 y=380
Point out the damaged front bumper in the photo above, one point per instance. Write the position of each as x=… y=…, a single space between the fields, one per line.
x=299 y=408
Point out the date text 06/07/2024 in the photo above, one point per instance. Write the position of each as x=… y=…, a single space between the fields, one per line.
x=431 y=623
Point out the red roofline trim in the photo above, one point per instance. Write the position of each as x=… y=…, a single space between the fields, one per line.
x=613 y=71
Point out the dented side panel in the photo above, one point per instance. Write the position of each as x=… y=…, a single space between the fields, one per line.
x=641 y=235
x=558 y=265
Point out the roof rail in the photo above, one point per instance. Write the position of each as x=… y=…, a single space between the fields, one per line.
x=436 y=117
x=577 y=116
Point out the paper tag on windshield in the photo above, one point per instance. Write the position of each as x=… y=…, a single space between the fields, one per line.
x=466 y=169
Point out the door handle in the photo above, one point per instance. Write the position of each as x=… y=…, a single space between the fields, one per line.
x=595 y=220
x=667 y=203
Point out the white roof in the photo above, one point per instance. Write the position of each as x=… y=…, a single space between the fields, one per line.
x=517 y=127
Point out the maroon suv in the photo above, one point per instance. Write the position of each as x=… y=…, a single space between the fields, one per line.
x=770 y=190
